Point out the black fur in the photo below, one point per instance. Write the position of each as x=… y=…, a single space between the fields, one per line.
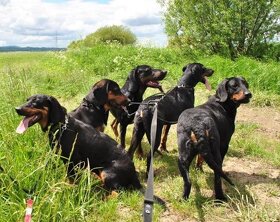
x=138 y=80
x=169 y=106
x=81 y=144
x=207 y=129
x=94 y=108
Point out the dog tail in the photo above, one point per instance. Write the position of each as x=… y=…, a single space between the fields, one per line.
x=203 y=146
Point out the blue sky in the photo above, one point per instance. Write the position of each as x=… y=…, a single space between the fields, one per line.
x=51 y=23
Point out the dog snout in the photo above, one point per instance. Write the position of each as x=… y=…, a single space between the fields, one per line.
x=248 y=94
x=19 y=110
x=210 y=72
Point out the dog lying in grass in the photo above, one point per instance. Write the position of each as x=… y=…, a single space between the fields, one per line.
x=80 y=144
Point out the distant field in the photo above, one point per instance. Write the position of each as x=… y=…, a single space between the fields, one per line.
x=69 y=76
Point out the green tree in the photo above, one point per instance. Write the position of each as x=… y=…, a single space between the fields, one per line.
x=228 y=27
x=120 y=34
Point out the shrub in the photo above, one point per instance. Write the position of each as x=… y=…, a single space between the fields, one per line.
x=108 y=34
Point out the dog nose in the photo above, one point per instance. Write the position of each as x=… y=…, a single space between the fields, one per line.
x=18 y=110
x=248 y=94
x=164 y=72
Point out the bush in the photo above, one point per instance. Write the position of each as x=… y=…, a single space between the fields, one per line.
x=108 y=34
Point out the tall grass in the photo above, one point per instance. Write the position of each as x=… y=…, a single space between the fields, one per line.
x=85 y=65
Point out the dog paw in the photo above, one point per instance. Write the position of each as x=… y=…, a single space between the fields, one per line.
x=220 y=199
x=113 y=195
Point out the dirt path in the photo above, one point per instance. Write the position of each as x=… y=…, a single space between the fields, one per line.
x=262 y=178
x=268 y=119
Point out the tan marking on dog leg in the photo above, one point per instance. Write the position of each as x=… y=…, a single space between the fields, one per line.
x=164 y=138
x=102 y=176
x=114 y=126
x=199 y=162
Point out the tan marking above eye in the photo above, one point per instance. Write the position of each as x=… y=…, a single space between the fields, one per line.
x=111 y=95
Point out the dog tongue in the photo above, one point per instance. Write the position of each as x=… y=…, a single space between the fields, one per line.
x=153 y=83
x=23 y=125
x=207 y=84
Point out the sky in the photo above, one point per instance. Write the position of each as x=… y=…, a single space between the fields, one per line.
x=55 y=23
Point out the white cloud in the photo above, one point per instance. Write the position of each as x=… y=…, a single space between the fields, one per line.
x=2 y=43
x=40 y=23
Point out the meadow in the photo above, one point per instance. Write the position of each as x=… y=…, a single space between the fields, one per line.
x=253 y=161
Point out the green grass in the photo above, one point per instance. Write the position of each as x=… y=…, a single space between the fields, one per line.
x=68 y=76
x=248 y=142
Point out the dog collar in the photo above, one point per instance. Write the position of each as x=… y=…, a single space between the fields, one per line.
x=91 y=105
x=56 y=131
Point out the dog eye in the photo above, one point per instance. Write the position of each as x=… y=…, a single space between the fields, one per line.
x=234 y=85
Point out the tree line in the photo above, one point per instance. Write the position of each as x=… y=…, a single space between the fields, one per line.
x=231 y=28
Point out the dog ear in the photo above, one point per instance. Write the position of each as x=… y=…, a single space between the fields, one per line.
x=221 y=92
x=56 y=112
x=100 y=93
x=191 y=67
x=132 y=79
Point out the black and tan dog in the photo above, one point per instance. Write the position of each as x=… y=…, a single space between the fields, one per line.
x=94 y=109
x=81 y=144
x=138 y=80
x=169 y=106
x=207 y=130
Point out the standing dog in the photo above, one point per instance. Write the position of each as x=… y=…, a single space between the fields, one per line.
x=94 y=109
x=169 y=106
x=139 y=79
x=81 y=145
x=207 y=130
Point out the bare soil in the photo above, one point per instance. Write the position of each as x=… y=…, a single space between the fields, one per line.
x=267 y=119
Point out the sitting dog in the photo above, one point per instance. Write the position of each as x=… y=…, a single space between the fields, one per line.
x=94 y=109
x=80 y=144
x=207 y=130
x=169 y=106
x=138 y=80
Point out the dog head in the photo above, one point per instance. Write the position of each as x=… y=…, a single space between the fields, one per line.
x=145 y=75
x=194 y=73
x=41 y=109
x=235 y=88
x=108 y=94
